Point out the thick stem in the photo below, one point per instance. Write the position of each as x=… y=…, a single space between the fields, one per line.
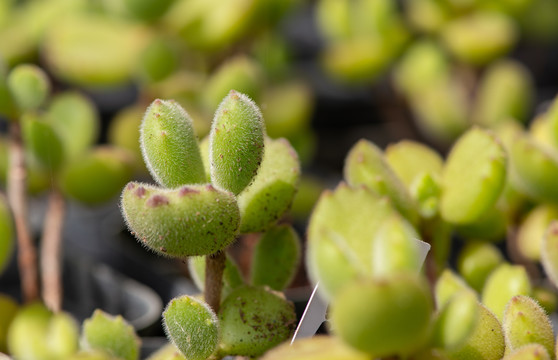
x=214 y=268
x=16 y=189
x=51 y=252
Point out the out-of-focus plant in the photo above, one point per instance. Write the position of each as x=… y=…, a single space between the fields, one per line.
x=363 y=250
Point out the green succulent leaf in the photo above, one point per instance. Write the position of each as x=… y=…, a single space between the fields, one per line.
x=441 y=110
x=480 y=37
x=29 y=86
x=384 y=316
x=147 y=10
x=287 y=121
x=167 y=352
x=395 y=248
x=529 y=352
x=505 y=282
x=340 y=235
x=240 y=73
x=525 y=322
x=272 y=191
x=319 y=347
x=186 y=221
x=532 y=230
x=535 y=168
x=169 y=145
x=473 y=177
x=97 y=176
x=423 y=63
x=254 y=320
x=7 y=244
x=111 y=334
x=410 y=159
x=456 y=320
x=276 y=258
x=38 y=334
x=365 y=165
x=549 y=252
x=485 y=342
x=8 y=310
x=492 y=226
x=425 y=190
x=448 y=285
x=76 y=121
x=506 y=92
x=236 y=143
x=476 y=261
x=192 y=327
x=93 y=50
x=43 y=142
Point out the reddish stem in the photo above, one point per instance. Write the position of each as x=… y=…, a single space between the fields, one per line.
x=51 y=252
x=214 y=268
x=16 y=192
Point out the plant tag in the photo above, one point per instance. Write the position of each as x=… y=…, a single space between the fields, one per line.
x=315 y=313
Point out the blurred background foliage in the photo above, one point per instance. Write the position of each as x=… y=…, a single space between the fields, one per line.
x=325 y=72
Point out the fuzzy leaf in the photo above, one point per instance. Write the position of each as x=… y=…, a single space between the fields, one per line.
x=187 y=221
x=485 y=342
x=276 y=258
x=529 y=352
x=111 y=334
x=253 y=320
x=272 y=191
x=192 y=326
x=525 y=322
x=169 y=146
x=384 y=316
x=473 y=177
x=236 y=143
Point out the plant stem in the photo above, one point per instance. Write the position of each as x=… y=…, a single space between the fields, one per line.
x=51 y=251
x=16 y=188
x=214 y=268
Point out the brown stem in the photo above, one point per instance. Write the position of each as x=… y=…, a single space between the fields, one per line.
x=51 y=251
x=16 y=188
x=214 y=268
